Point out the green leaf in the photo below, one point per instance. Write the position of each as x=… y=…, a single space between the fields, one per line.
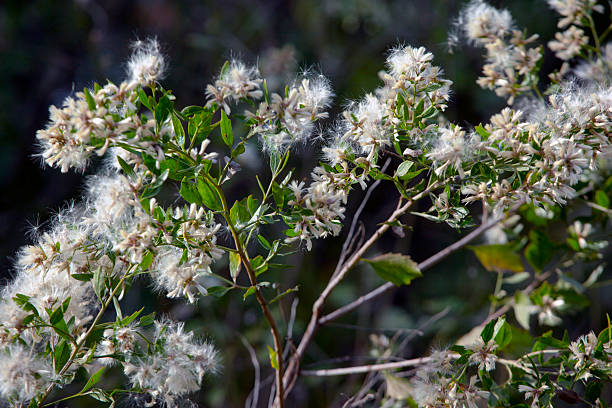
x=539 y=251
x=218 y=291
x=144 y=99
x=147 y=260
x=403 y=168
x=85 y=277
x=602 y=199
x=498 y=257
x=259 y=265
x=239 y=214
x=61 y=354
x=152 y=189
x=190 y=192
x=248 y=292
x=264 y=242
x=522 y=309
x=502 y=333
x=487 y=332
x=199 y=126
x=275 y=161
x=162 y=110
x=396 y=268
x=91 y=104
x=285 y=293
x=179 y=130
x=226 y=129
x=482 y=132
x=129 y=319
x=93 y=380
x=147 y=320
x=127 y=169
x=209 y=195
x=516 y=278
x=191 y=110
x=234 y=264
x=273 y=358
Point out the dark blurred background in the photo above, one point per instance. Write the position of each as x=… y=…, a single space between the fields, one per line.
x=50 y=49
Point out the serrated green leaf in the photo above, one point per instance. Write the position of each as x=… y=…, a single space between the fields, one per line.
x=502 y=333
x=61 y=354
x=396 y=268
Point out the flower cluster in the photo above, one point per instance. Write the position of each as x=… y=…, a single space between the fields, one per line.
x=175 y=369
x=511 y=66
x=94 y=120
x=236 y=82
x=290 y=119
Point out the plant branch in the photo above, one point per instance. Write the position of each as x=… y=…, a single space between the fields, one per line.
x=84 y=338
x=366 y=368
x=426 y=264
x=278 y=345
x=293 y=365
x=349 y=236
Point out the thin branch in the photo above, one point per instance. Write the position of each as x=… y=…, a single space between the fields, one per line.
x=426 y=264
x=366 y=368
x=291 y=373
x=257 y=383
x=278 y=345
x=349 y=236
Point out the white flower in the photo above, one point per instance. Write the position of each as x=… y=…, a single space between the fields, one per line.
x=483 y=354
x=236 y=81
x=574 y=10
x=581 y=232
x=548 y=308
x=450 y=150
x=568 y=43
x=531 y=392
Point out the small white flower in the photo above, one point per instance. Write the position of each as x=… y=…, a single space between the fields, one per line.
x=484 y=354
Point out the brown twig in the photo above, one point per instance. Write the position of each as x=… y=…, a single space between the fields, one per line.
x=313 y=324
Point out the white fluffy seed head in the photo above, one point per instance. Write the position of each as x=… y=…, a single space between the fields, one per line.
x=23 y=375
x=481 y=23
x=146 y=64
